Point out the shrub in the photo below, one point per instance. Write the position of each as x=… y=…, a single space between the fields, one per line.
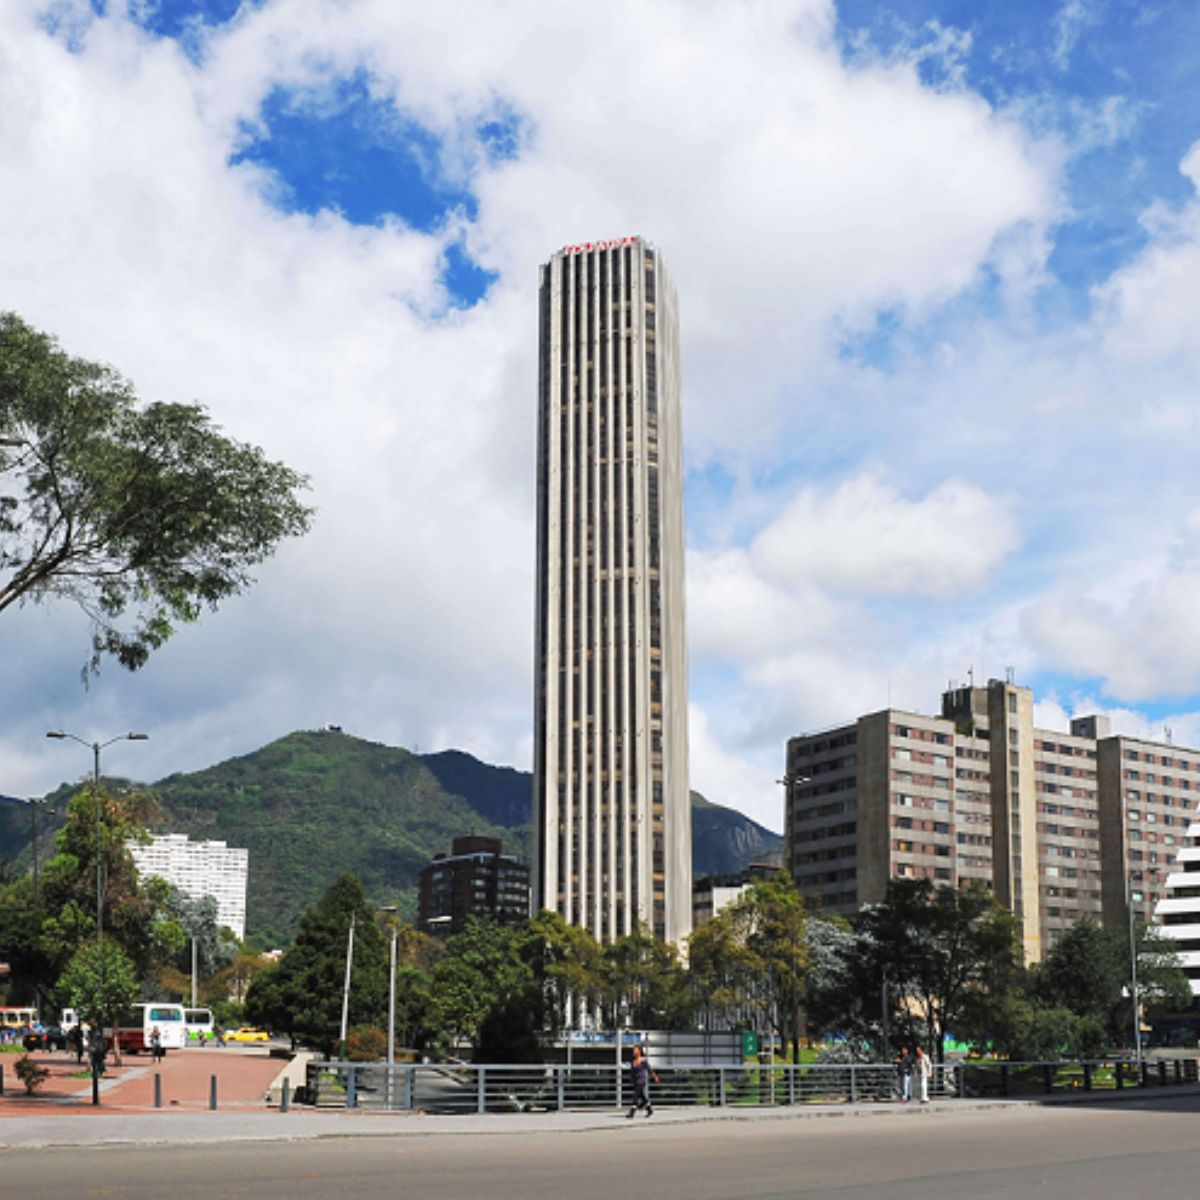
x=364 y=1044
x=31 y=1074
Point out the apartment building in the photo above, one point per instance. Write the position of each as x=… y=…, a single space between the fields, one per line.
x=200 y=869
x=476 y=879
x=1059 y=825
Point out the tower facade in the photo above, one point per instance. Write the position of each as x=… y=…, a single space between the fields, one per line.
x=612 y=813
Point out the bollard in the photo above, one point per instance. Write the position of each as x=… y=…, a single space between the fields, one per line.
x=212 y=1094
x=1087 y=1077
x=1145 y=1073
x=352 y=1089
x=285 y=1095
x=1004 y=1079
x=1119 y=1074
x=1047 y=1078
x=1178 y=1071
x=157 y=1090
x=1 y=1079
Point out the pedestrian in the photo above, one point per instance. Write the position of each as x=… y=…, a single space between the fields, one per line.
x=904 y=1070
x=640 y=1074
x=924 y=1069
x=156 y=1046
x=77 y=1041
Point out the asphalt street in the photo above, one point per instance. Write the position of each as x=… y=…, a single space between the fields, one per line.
x=1149 y=1149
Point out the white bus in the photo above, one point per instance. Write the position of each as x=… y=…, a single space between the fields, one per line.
x=140 y=1020
x=198 y=1024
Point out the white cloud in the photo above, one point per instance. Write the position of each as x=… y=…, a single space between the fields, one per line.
x=1148 y=305
x=865 y=538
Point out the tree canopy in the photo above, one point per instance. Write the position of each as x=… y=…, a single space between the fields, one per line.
x=149 y=513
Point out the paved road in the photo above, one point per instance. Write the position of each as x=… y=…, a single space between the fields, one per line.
x=1137 y=1149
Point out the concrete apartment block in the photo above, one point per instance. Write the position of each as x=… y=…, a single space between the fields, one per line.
x=1061 y=826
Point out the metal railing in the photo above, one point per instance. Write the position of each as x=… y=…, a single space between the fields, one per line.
x=437 y=1087
x=491 y=1088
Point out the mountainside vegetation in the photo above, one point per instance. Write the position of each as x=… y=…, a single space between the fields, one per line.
x=314 y=805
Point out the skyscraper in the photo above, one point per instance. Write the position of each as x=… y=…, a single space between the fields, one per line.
x=612 y=815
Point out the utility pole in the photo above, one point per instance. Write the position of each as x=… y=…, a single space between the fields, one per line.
x=346 y=990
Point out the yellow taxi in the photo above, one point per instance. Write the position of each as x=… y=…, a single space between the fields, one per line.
x=246 y=1034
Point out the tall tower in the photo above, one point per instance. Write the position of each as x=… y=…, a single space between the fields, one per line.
x=612 y=813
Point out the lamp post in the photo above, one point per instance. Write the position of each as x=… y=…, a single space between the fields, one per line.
x=95 y=748
x=391 y=1026
x=1133 y=976
x=346 y=989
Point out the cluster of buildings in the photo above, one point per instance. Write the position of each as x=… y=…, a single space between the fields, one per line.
x=1059 y=826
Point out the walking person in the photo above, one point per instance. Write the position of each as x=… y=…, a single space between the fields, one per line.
x=924 y=1069
x=640 y=1074
x=156 y=1046
x=904 y=1070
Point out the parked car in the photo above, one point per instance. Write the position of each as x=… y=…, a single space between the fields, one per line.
x=247 y=1034
x=51 y=1037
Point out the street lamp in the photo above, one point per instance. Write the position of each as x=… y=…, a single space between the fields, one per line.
x=1133 y=975
x=391 y=1029
x=95 y=748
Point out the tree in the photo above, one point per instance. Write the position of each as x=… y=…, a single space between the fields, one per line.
x=567 y=965
x=950 y=949
x=751 y=958
x=146 y=511
x=1088 y=973
x=302 y=994
x=644 y=984
x=483 y=968
x=100 y=983
x=136 y=914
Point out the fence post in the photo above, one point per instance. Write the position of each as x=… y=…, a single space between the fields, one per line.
x=792 y=1082
x=1087 y=1077
x=1178 y=1071
x=410 y=1081
x=560 y=1072
x=212 y=1094
x=853 y=1084
x=1004 y=1079
x=481 y=1090
x=960 y=1080
x=1119 y=1074
x=1145 y=1073
x=285 y=1095
x=157 y=1090
x=721 y=1087
x=1047 y=1078
x=352 y=1088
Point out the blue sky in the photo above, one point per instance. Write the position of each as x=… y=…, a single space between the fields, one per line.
x=936 y=265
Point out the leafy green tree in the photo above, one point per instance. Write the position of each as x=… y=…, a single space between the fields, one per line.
x=567 y=964
x=644 y=984
x=1088 y=972
x=149 y=512
x=833 y=949
x=483 y=968
x=302 y=994
x=21 y=946
x=100 y=983
x=752 y=957
x=952 y=950
x=136 y=914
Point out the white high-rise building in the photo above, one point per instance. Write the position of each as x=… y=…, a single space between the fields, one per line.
x=612 y=818
x=200 y=869
x=1177 y=915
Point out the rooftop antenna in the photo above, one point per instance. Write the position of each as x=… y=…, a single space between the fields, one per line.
x=1167 y=733
x=1008 y=674
x=971 y=675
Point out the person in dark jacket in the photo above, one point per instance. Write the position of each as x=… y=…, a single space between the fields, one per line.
x=904 y=1070
x=640 y=1074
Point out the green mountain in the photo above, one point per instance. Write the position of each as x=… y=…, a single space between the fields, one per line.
x=313 y=805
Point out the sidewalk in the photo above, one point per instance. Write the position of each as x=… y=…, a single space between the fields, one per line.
x=180 y=1125
x=243 y=1076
